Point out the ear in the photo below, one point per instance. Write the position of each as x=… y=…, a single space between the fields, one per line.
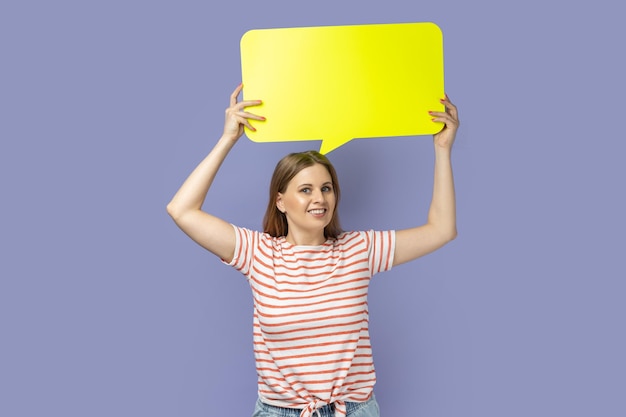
x=279 y=203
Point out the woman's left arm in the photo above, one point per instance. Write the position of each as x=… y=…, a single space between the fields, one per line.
x=441 y=225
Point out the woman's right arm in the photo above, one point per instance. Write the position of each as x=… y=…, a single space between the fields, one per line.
x=210 y=232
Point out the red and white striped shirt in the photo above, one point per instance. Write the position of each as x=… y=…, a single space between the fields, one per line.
x=310 y=323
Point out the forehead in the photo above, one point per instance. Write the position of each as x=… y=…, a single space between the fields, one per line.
x=315 y=174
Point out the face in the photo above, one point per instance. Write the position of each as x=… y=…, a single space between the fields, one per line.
x=308 y=202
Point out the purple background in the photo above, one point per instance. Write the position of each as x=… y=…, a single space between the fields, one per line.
x=106 y=308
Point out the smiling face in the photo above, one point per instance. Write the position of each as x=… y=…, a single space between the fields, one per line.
x=308 y=204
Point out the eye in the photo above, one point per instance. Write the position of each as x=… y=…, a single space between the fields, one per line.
x=305 y=190
x=327 y=189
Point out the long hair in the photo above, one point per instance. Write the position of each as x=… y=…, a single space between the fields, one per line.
x=275 y=222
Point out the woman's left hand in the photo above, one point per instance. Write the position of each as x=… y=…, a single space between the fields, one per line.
x=445 y=138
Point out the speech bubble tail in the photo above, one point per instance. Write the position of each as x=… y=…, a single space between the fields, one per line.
x=330 y=145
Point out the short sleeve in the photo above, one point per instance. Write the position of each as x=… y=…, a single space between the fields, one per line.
x=381 y=248
x=245 y=242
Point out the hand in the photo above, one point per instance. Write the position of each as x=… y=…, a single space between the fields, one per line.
x=237 y=118
x=445 y=138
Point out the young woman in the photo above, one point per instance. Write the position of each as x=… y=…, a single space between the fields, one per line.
x=309 y=278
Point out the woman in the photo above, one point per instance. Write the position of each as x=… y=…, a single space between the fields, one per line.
x=309 y=279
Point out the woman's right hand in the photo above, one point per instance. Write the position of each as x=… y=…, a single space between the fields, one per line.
x=237 y=117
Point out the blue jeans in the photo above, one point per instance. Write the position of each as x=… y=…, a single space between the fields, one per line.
x=368 y=408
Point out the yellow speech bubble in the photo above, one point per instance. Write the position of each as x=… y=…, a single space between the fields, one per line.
x=338 y=83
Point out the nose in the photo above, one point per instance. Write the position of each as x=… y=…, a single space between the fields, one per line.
x=318 y=196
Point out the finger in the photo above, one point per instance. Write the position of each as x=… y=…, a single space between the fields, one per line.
x=445 y=118
x=241 y=113
x=233 y=96
x=239 y=120
x=441 y=114
x=450 y=111
x=446 y=102
x=250 y=115
x=246 y=123
x=449 y=106
x=247 y=103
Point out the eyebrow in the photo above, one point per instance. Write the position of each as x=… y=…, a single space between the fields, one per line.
x=311 y=185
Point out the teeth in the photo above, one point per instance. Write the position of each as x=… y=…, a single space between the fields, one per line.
x=317 y=211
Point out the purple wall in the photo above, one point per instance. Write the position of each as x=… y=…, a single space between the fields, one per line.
x=106 y=308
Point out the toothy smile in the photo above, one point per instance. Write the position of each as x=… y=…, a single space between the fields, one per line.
x=317 y=211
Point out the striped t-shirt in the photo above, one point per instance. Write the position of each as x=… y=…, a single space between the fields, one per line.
x=310 y=322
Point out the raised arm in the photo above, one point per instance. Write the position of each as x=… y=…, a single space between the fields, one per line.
x=440 y=227
x=210 y=232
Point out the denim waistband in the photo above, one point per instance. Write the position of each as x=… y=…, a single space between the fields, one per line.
x=324 y=411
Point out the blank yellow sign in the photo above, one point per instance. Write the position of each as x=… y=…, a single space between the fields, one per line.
x=338 y=83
